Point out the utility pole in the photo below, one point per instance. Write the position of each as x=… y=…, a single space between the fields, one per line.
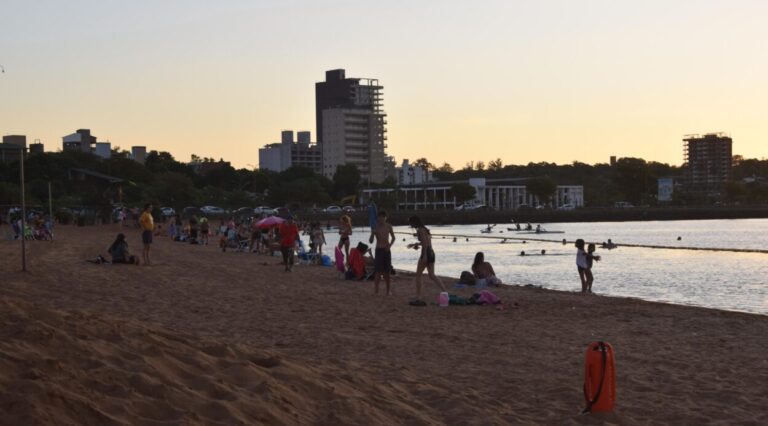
x=22 y=151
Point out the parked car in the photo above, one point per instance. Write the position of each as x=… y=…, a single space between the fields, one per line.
x=213 y=210
x=264 y=210
x=243 y=212
x=332 y=209
x=623 y=205
x=567 y=207
x=348 y=209
x=479 y=207
x=167 y=211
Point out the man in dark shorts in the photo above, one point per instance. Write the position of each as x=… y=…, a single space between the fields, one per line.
x=289 y=233
x=147 y=224
x=385 y=237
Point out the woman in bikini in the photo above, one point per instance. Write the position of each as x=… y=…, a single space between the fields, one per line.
x=427 y=258
x=345 y=230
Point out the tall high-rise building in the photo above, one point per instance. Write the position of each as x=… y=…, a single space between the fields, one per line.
x=351 y=126
x=708 y=163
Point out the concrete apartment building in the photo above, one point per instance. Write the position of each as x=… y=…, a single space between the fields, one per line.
x=81 y=140
x=11 y=148
x=410 y=174
x=351 y=126
x=280 y=156
x=708 y=163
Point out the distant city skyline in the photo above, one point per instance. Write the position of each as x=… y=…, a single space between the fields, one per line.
x=556 y=81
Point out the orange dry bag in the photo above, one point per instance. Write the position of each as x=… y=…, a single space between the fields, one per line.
x=599 y=378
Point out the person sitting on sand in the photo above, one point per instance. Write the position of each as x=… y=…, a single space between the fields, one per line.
x=356 y=262
x=119 y=251
x=483 y=271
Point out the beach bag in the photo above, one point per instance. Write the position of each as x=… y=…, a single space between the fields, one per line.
x=485 y=297
x=599 y=378
x=339 y=255
x=467 y=278
x=326 y=260
x=457 y=300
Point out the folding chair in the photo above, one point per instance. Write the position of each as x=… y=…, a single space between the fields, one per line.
x=306 y=257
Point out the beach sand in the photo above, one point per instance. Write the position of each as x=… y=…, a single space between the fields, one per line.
x=208 y=337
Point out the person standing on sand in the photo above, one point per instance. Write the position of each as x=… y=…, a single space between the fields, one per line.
x=427 y=258
x=345 y=230
x=581 y=264
x=385 y=237
x=588 y=272
x=289 y=233
x=147 y=227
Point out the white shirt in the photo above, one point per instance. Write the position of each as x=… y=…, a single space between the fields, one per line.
x=581 y=258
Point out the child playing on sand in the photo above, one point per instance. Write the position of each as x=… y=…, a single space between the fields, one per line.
x=588 y=271
x=581 y=263
x=584 y=265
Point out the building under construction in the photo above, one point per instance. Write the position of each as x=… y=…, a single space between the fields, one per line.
x=708 y=162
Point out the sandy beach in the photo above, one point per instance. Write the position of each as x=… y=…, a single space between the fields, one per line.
x=205 y=337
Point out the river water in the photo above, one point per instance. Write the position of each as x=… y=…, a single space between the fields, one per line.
x=717 y=279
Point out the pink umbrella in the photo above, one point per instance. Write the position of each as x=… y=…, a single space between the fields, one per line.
x=269 y=222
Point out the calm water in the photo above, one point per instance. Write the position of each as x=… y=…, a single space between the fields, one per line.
x=723 y=280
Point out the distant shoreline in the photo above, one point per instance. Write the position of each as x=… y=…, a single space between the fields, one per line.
x=458 y=217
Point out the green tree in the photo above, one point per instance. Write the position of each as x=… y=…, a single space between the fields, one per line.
x=463 y=192
x=422 y=162
x=633 y=179
x=346 y=180
x=542 y=188
x=445 y=168
x=495 y=165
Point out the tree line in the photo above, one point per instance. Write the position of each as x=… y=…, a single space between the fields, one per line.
x=163 y=180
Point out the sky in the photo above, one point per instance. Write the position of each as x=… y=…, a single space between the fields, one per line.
x=523 y=81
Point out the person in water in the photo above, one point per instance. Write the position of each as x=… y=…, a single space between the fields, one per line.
x=427 y=257
x=483 y=271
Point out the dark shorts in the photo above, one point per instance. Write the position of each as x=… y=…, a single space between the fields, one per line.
x=581 y=270
x=430 y=255
x=343 y=240
x=382 y=260
x=146 y=237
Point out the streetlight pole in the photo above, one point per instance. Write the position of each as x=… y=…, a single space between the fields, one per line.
x=23 y=212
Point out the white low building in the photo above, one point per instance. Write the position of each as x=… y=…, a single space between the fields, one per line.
x=498 y=194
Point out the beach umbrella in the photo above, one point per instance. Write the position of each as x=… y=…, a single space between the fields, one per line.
x=372 y=215
x=269 y=222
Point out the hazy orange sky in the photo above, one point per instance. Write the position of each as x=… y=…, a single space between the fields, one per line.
x=556 y=81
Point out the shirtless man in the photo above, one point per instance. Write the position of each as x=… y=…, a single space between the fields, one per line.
x=385 y=237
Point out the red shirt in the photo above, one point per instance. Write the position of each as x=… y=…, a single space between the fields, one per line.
x=288 y=234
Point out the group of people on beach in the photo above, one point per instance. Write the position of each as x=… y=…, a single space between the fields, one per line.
x=285 y=237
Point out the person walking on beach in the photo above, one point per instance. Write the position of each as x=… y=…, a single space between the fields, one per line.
x=385 y=237
x=427 y=257
x=318 y=238
x=147 y=224
x=289 y=232
x=345 y=230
